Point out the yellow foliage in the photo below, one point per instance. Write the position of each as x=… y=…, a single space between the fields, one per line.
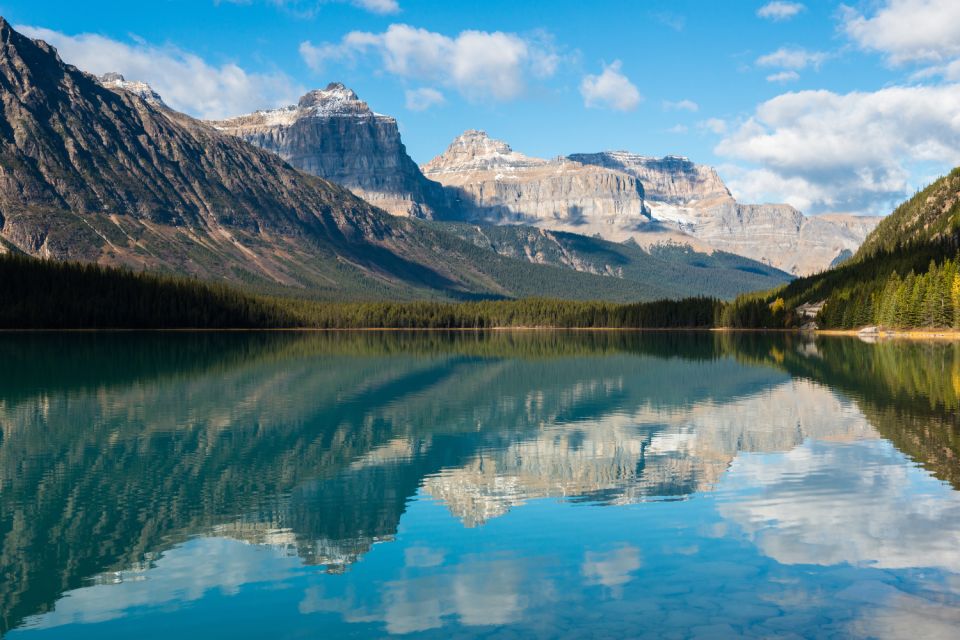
x=955 y=295
x=777 y=306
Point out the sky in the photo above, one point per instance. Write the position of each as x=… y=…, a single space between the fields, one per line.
x=827 y=106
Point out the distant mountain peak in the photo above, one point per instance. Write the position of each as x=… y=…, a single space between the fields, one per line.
x=335 y=100
x=475 y=150
x=114 y=80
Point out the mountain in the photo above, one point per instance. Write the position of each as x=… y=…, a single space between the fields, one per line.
x=333 y=134
x=495 y=184
x=91 y=171
x=694 y=198
x=905 y=276
x=621 y=196
x=931 y=215
x=684 y=271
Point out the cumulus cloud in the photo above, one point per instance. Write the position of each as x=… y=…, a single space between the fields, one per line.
x=611 y=89
x=783 y=76
x=185 y=80
x=478 y=64
x=823 y=151
x=424 y=98
x=780 y=10
x=908 y=30
x=680 y=105
x=792 y=58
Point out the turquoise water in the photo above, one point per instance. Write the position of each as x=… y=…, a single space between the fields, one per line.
x=504 y=485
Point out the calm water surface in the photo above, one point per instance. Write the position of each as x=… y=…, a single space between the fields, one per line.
x=477 y=485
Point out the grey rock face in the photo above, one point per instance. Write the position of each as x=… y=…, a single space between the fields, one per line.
x=495 y=184
x=333 y=134
x=671 y=179
x=682 y=202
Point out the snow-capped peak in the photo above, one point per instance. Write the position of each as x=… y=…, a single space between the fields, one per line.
x=143 y=90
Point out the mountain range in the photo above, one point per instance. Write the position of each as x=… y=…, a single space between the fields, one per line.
x=614 y=195
x=101 y=170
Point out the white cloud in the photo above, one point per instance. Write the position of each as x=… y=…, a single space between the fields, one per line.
x=823 y=151
x=783 y=76
x=611 y=89
x=478 y=64
x=185 y=80
x=715 y=125
x=678 y=128
x=311 y=7
x=792 y=58
x=779 y=10
x=378 y=6
x=424 y=98
x=680 y=105
x=908 y=30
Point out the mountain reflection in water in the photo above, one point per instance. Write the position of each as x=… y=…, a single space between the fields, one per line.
x=539 y=483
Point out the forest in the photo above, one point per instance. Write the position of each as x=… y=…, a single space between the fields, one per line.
x=41 y=294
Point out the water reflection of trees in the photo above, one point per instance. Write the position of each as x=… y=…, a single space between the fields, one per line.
x=116 y=447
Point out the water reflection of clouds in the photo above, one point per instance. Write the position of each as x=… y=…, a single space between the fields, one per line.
x=611 y=569
x=476 y=592
x=183 y=574
x=861 y=503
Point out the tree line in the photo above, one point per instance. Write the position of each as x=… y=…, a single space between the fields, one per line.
x=43 y=294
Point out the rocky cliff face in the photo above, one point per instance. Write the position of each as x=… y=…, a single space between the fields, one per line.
x=333 y=134
x=672 y=179
x=682 y=202
x=495 y=184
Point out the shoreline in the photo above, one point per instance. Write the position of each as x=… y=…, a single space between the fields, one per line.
x=944 y=335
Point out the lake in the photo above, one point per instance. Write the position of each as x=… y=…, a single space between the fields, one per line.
x=494 y=485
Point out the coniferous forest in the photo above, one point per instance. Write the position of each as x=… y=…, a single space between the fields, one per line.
x=38 y=294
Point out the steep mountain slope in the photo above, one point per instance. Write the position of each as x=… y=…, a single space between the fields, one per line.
x=931 y=215
x=333 y=134
x=688 y=272
x=98 y=174
x=905 y=275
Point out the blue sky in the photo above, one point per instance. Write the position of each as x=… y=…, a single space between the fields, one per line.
x=830 y=107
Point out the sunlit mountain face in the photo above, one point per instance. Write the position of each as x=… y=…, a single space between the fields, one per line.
x=535 y=484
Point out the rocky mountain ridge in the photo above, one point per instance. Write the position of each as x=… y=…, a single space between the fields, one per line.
x=333 y=134
x=495 y=184
x=679 y=202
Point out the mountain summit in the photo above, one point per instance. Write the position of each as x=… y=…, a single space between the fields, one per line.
x=333 y=134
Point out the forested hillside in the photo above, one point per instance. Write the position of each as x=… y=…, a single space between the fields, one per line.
x=904 y=276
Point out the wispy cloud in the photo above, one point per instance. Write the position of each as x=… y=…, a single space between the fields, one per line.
x=309 y=8
x=779 y=10
x=793 y=58
x=680 y=105
x=783 y=76
x=423 y=98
